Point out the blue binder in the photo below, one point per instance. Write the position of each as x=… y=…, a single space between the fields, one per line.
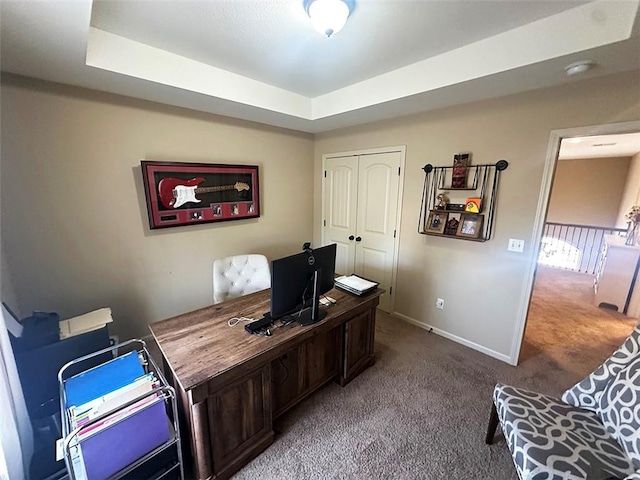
x=103 y=379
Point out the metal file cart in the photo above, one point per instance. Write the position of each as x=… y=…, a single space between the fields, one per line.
x=163 y=461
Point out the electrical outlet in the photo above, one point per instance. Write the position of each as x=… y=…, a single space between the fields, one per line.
x=516 y=245
x=440 y=303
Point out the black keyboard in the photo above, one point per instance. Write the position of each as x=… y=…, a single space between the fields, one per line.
x=264 y=322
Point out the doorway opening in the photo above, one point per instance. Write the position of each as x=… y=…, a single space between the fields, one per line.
x=592 y=179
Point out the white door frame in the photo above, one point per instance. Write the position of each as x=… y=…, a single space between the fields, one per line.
x=541 y=214
x=402 y=149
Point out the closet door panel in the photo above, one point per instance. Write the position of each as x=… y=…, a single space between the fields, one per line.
x=378 y=184
x=340 y=208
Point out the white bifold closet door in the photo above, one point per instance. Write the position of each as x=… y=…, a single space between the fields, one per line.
x=360 y=212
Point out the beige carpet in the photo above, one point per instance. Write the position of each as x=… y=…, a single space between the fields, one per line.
x=421 y=411
x=564 y=323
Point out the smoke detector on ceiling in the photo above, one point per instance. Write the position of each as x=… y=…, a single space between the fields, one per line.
x=579 y=67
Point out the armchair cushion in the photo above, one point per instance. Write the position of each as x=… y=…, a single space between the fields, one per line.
x=551 y=440
x=587 y=393
x=619 y=409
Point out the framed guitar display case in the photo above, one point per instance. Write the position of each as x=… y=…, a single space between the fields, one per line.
x=181 y=194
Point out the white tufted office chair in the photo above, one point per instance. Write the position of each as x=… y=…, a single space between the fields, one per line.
x=238 y=275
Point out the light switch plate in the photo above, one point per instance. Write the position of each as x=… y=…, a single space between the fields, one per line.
x=516 y=245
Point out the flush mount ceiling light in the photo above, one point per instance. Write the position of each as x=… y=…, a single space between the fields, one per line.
x=578 y=67
x=328 y=16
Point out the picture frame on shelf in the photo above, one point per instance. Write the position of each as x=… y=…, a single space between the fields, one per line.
x=470 y=225
x=436 y=222
x=179 y=194
x=461 y=162
x=453 y=221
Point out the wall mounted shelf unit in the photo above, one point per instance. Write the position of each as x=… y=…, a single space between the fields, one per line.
x=481 y=182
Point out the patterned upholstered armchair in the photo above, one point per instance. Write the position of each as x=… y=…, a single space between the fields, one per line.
x=593 y=432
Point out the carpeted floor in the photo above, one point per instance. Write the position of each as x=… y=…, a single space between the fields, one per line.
x=568 y=327
x=421 y=411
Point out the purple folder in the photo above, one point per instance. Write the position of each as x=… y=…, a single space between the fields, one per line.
x=119 y=445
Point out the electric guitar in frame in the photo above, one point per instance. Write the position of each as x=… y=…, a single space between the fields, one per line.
x=174 y=192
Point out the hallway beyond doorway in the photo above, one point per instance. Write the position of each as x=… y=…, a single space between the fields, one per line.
x=563 y=320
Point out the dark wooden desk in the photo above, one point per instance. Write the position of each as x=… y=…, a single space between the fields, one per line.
x=231 y=385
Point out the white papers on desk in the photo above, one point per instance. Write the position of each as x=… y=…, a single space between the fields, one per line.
x=355 y=284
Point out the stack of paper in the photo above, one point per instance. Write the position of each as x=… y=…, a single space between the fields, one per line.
x=355 y=284
x=135 y=429
x=85 y=323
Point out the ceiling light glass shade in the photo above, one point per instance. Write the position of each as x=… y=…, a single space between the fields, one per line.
x=328 y=16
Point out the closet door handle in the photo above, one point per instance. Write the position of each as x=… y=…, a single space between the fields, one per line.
x=358 y=239
x=351 y=237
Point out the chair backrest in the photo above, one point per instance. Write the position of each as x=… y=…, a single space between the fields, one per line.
x=587 y=392
x=239 y=275
x=612 y=391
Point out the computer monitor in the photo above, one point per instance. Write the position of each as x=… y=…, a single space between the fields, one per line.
x=297 y=281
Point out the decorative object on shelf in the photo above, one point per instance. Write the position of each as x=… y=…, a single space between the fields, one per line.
x=632 y=231
x=483 y=179
x=442 y=201
x=436 y=222
x=193 y=193
x=456 y=207
x=459 y=175
x=473 y=205
x=470 y=225
x=453 y=220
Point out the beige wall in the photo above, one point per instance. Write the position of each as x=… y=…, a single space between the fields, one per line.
x=631 y=193
x=76 y=235
x=588 y=191
x=74 y=220
x=482 y=283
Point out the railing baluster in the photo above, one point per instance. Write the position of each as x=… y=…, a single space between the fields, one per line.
x=593 y=241
x=581 y=247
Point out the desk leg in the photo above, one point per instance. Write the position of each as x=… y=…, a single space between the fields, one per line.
x=201 y=442
x=194 y=431
x=240 y=421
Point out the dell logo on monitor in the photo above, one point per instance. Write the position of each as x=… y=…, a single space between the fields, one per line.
x=311 y=260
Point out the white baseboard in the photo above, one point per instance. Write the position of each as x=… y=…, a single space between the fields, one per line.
x=455 y=338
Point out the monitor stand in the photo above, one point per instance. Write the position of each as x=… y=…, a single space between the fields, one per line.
x=306 y=317
x=313 y=314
